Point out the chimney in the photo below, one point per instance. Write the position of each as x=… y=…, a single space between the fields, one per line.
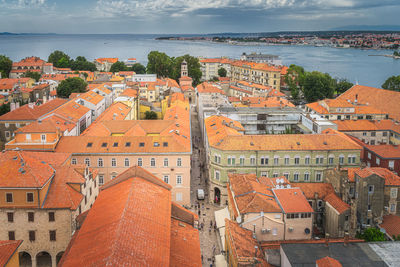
x=327 y=239
x=44 y=99
x=12 y=106
x=16 y=105
x=346 y=239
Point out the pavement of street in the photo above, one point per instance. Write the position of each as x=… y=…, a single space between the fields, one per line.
x=209 y=238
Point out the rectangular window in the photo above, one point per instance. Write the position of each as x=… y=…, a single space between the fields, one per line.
x=9 y=197
x=32 y=236
x=73 y=161
x=52 y=216
x=318 y=177
x=286 y=160
x=126 y=162
x=307 y=161
x=140 y=162
x=296 y=160
x=286 y=175
x=29 y=197
x=252 y=161
x=241 y=161
x=43 y=137
x=87 y=162
x=166 y=179
x=391 y=164
x=264 y=174
x=166 y=162
x=306 y=177
x=392 y=208
x=113 y=162
x=216 y=175
x=100 y=162
x=393 y=192
x=378 y=161
x=101 y=179
x=370 y=189
x=341 y=159
x=179 y=179
x=384 y=134
x=296 y=177
x=10 y=216
x=330 y=160
x=373 y=134
x=52 y=234
x=275 y=175
x=276 y=161
x=179 y=162
x=11 y=235
x=152 y=162
x=178 y=196
x=369 y=155
x=31 y=217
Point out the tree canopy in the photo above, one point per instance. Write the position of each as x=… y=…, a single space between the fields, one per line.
x=294 y=78
x=80 y=63
x=222 y=72
x=138 y=68
x=118 y=66
x=150 y=115
x=193 y=65
x=318 y=86
x=71 y=85
x=343 y=85
x=159 y=63
x=372 y=235
x=59 y=59
x=34 y=75
x=392 y=83
x=5 y=66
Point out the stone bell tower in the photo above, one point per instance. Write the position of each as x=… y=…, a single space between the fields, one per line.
x=184 y=68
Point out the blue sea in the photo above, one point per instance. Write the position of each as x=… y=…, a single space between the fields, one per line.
x=353 y=64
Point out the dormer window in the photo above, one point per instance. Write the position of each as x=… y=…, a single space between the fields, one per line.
x=89 y=144
x=165 y=144
x=156 y=144
x=128 y=144
x=115 y=144
x=104 y=145
x=141 y=144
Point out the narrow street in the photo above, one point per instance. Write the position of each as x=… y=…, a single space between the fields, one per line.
x=209 y=242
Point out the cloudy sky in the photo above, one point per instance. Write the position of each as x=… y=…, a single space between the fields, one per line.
x=191 y=16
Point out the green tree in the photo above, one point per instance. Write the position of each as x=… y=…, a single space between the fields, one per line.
x=34 y=75
x=372 y=235
x=59 y=59
x=318 y=86
x=80 y=63
x=150 y=115
x=5 y=66
x=396 y=54
x=5 y=108
x=71 y=85
x=159 y=63
x=294 y=78
x=138 y=68
x=222 y=72
x=193 y=65
x=392 y=83
x=118 y=66
x=343 y=85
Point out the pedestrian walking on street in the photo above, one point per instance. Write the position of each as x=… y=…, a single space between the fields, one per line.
x=211 y=223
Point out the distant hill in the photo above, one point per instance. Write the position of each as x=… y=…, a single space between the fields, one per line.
x=368 y=28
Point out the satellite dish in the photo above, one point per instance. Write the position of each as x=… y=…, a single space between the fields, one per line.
x=239 y=219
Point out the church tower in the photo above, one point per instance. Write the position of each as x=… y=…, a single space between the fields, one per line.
x=184 y=68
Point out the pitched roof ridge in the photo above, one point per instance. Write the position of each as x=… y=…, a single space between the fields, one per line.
x=28 y=167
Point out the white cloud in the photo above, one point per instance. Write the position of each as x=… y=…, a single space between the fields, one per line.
x=22 y=4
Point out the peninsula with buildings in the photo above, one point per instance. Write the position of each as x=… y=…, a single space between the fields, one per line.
x=197 y=162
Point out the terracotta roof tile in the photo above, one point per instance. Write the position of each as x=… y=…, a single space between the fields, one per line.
x=34 y=113
x=310 y=189
x=129 y=223
x=337 y=203
x=206 y=87
x=104 y=59
x=328 y=262
x=391 y=179
x=292 y=200
x=391 y=223
x=385 y=100
x=7 y=250
x=46 y=126
x=385 y=151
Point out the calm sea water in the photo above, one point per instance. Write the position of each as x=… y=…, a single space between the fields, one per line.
x=354 y=64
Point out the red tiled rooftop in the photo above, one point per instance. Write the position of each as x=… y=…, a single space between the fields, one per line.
x=391 y=179
x=337 y=203
x=7 y=249
x=292 y=200
x=385 y=151
x=391 y=223
x=328 y=262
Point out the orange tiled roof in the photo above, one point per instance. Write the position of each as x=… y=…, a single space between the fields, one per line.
x=367 y=125
x=172 y=83
x=328 y=262
x=391 y=223
x=71 y=111
x=391 y=179
x=255 y=66
x=104 y=59
x=385 y=100
x=384 y=151
x=185 y=78
x=129 y=223
x=309 y=189
x=61 y=123
x=337 y=203
x=206 y=87
x=7 y=249
x=129 y=92
x=292 y=200
x=16 y=170
x=91 y=97
x=29 y=61
x=243 y=245
x=8 y=83
x=45 y=126
x=61 y=194
x=351 y=172
x=58 y=77
x=25 y=113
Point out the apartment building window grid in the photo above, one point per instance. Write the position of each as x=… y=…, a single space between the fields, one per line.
x=287 y=159
x=152 y=162
x=166 y=179
x=217 y=175
x=101 y=179
x=252 y=160
x=87 y=162
x=10 y=216
x=100 y=162
x=341 y=159
x=165 y=162
x=241 y=160
x=140 y=162
x=296 y=160
x=296 y=176
x=73 y=161
x=318 y=176
x=306 y=176
x=276 y=160
x=331 y=158
x=307 y=160
x=179 y=162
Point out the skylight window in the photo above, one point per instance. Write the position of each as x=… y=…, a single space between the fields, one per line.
x=104 y=145
x=128 y=144
x=141 y=144
x=156 y=144
x=165 y=144
x=89 y=144
x=115 y=144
